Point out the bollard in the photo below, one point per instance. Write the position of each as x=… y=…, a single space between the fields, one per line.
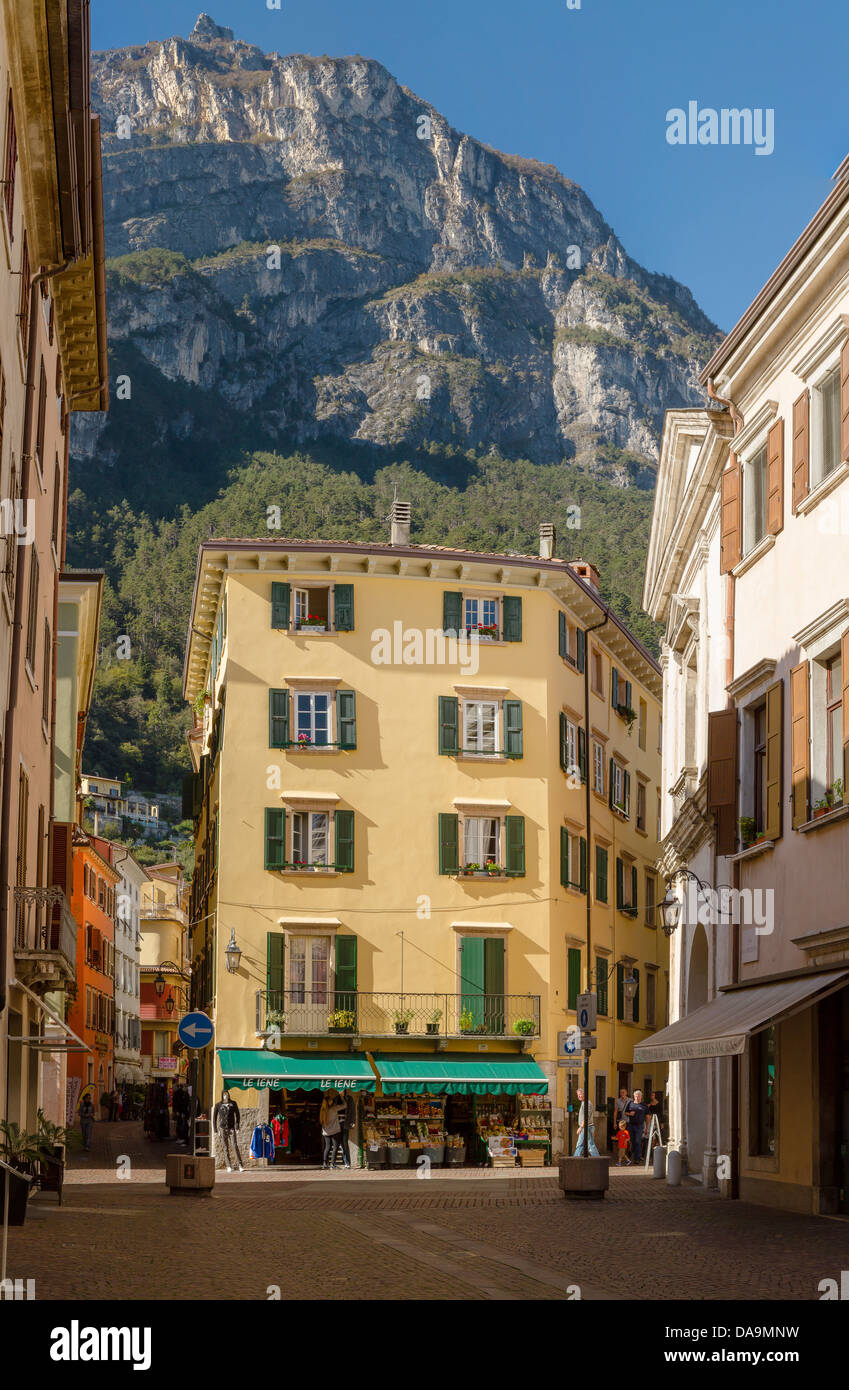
x=659 y=1162
x=673 y=1168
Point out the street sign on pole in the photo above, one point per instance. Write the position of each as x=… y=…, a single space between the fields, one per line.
x=196 y=1030
x=586 y=1009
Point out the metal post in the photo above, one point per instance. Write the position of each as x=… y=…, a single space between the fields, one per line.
x=588 y=807
x=586 y=1098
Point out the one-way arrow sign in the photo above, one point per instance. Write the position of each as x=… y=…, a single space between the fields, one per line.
x=196 y=1030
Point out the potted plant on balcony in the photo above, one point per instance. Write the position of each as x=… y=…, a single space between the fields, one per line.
x=525 y=1027
x=747 y=830
x=485 y=632
x=304 y=741
x=492 y=868
x=432 y=1025
x=313 y=623
x=342 y=1021
x=469 y=869
x=21 y=1151
x=275 y=1020
x=402 y=1019
x=628 y=714
x=467 y=1021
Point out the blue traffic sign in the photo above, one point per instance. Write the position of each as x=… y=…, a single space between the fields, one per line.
x=195 y=1030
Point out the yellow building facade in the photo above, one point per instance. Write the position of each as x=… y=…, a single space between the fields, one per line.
x=391 y=818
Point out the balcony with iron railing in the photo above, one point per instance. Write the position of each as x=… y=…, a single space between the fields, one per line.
x=324 y=1012
x=45 y=938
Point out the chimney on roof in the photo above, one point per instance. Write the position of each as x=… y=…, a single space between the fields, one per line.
x=400 y=523
x=587 y=571
x=547 y=540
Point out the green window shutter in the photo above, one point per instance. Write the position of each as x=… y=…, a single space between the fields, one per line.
x=275 y=838
x=628 y=695
x=452 y=612
x=573 y=982
x=449 y=844
x=582 y=753
x=515 y=829
x=582 y=649
x=636 y=975
x=620 y=992
x=564 y=756
x=188 y=795
x=278 y=718
x=601 y=874
x=512 y=619
x=513 y=744
x=614 y=686
x=275 y=956
x=561 y=635
x=634 y=889
x=620 y=881
x=346 y=973
x=344 y=826
x=343 y=607
x=449 y=724
x=473 y=978
x=346 y=715
x=626 y=790
x=610 y=785
x=564 y=856
x=583 y=883
x=601 y=985
x=280 y=604
x=493 y=965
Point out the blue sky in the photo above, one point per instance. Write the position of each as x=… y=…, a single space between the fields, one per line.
x=588 y=90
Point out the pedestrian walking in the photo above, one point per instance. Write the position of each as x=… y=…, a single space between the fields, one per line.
x=623 y=1140
x=582 y=1113
x=86 y=1121
x=331 y=1129
x=635 y=1116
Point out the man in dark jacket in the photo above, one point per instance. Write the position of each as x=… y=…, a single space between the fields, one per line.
x=635 y=1117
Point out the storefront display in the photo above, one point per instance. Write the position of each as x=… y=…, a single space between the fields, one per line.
x=456 y=1129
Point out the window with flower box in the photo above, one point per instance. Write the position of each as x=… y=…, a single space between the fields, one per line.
x=309 y=719
x=309 y=840
x=480 y=727
x=487 y=617
x=313 y=608
x=482 y=846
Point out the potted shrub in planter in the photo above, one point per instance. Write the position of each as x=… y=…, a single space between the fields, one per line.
x=747 y=830
x=525 y=1027
x=312 y=623
x=402 y=1019
x=275 y=1021
x=342 y=1021
x=432 y=1025
x=53 y=1141
x=21 y=1152
x=484 y=632
x=629 y=715
x=492 y=868
x=469 y=869
x=467 y=1021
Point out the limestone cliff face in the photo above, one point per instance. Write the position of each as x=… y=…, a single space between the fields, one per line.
x=305 y=243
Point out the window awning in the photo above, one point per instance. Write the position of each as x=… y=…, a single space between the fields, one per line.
x=722 y=1027
x=254 y=1068
x=455 y=1073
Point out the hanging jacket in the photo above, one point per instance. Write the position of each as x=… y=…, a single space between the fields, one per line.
x=262 y=1142
x=280 y=1129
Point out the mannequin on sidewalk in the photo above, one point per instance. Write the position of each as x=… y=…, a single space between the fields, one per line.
x=225 y=1121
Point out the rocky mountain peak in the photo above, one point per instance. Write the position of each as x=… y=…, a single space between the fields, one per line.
x=206 y=28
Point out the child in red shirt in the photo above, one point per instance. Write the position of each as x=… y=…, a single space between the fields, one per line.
x=623 y=1140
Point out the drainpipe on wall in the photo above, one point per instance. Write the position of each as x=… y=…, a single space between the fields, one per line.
x=588 y=1101
x=730 y=595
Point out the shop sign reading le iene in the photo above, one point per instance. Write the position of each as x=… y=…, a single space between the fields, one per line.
x=270 y=1083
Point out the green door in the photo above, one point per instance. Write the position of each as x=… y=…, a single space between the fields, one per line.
x=482 y=984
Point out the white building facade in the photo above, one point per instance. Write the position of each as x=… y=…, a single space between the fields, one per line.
x=128 y=945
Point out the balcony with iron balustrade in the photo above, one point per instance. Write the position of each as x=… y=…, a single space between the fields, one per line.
x=45 y=939
x=324 y=1012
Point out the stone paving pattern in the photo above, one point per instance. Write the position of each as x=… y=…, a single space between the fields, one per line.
x=469 y=1234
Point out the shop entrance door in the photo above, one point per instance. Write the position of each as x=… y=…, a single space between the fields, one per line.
x=309 y=999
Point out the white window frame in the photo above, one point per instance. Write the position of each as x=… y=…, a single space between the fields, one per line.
x=497 y=735
x=573 y=858
x=309 y=863
x=481 y=603
x=757 y=456
x=829 y=376
x=313 y=695
x=618 y=781
x=571 y=743
x=498 y=856
x=298 y=591
x=599 y=760
x=308 y=986
x=596 y=655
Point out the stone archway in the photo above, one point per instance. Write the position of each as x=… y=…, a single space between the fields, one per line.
x=696 y=1072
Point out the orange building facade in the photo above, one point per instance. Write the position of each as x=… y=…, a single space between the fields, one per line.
x=92 y=1013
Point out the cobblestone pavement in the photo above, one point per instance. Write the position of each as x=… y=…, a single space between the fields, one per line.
x=467 y=1235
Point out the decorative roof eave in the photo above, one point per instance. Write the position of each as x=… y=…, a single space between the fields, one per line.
x=217 y=558
x=28 y=24
x=80 y=298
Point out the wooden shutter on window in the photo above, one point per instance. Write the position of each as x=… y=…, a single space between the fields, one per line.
x=626 y=794
x=601 y=873
x=801 y=448
x=774 y=759
x=452 y=613
x=583 y=878
x=344 y=827
x=449 y=844
x=636 y=1013
x=620 y=884
x=614 y=686
x=564 y=742
x=620 y=992
x=345 y=978
x=280 y=604
x=515 y=835
x=275 y=956
x=632 y=906
x=573 y=979
x=562 y=641
x=512 y=619
x=275 y=838
x=582 y=753
x=731 y=515
x=343 y=607
x=582 y=649
x=449 y=718
x=722 y=777
x=278 y=718
x=513 y=738
x=800 y=737
x=775 y=478
x=844 y=653
x=844 y=401
x=564 y=856
x=346 y=715
x=610 y=788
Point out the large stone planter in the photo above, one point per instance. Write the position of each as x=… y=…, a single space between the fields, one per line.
x=190 y=1174
x=584 y=1178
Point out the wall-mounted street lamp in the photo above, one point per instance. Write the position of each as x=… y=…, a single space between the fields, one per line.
x=169 y=1003
x=629 y=983
x=232 y=954
x=670 y=908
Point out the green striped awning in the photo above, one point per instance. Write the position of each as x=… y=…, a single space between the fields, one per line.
x=246 y=1068
x=454 y=1073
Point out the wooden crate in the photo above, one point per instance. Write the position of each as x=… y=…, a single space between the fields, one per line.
x=532 y=1158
